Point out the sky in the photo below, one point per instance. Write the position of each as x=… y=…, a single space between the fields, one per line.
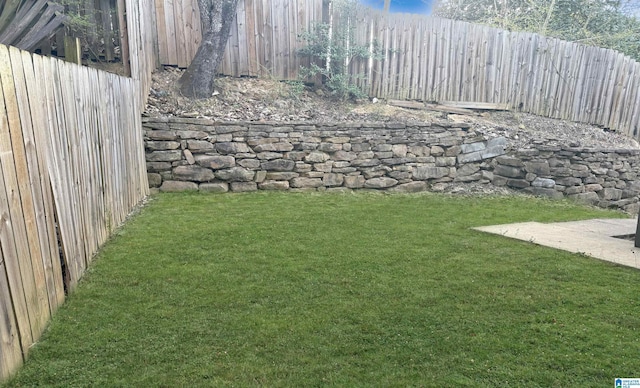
x=408 y=6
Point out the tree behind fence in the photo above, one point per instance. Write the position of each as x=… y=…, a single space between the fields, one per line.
x=428 y=59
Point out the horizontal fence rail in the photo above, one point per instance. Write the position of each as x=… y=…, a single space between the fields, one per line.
x=428 y=59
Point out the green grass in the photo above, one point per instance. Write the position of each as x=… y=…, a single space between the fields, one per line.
x=304 y=290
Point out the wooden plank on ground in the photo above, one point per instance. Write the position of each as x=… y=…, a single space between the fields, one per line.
x=475 y=105
x=434 y=107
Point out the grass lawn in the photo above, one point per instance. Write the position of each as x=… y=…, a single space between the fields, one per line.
x=303 y=290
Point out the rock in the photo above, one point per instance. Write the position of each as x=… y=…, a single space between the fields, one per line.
x=176 y=186
x=317 y=157
x=544 y=183
x=193 y=173
x=540 y=168
x=162 y=135
x=303 y=182
x=216 y=162
x=199 y=146
x=281 y=176
x=279 y=165
x=217 y=187
x=545 y=192
x=162 y=145
x=277 y=147
x=380 y=183
x=241 y=187
x=411 y=187
x=155 y=180
x=164 y=156
x=611 y=194
x=518 y=183
x=331 y=180
x=354 y=181
x=586 y=198
x=274 y=185
x=509 y=172
x=189 y=157
x=235 y=174
x=425 y=173
x=232 y=148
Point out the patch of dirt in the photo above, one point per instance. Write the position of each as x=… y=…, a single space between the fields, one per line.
x=253 y=99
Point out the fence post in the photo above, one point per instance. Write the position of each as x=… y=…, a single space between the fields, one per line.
x=124 y=40
x=72 y=50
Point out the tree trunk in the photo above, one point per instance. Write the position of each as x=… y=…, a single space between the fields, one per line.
x=216 y=17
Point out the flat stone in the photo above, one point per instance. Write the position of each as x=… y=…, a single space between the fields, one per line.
x=216 y=187
x=155 y=180
x=279 y=165
x=510 y=161
x=365 y=162
x=242 y=187
x=303 y=182
x=158 y=166
x=277 y=147
x=199 y=146
x=162 y=145
x=193 y=173
x=472 y=147
x=425 y=173
x=509 y=171
x=544 y=183
x=269 y=155
x=215 y=162
x=232 y=148
x=586 y=198
x=164 y=156
x=274 y=185
x=410 y=187
x=611 y=194
x=354 y=181
x=317 y=157
x=540 y=168
x=281 y=176
x=235 y=174
x=162 y=135
x=330 y=180
x=176 y=186
x=518 y=183
x=380 y=183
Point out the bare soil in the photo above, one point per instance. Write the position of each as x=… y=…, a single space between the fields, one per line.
x=254 y=99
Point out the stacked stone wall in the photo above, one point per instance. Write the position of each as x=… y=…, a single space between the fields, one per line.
x=198 y=154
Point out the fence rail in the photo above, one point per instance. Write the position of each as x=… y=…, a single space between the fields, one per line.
x=72 y=168
x=433 y=59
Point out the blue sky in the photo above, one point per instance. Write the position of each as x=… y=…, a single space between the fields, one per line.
x=409 y=6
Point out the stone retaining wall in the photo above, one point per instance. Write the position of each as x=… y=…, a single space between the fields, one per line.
x=198 y=154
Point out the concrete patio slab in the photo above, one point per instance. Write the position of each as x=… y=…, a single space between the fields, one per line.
x=593 y=238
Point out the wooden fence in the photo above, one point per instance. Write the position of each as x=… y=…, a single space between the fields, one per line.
x=72 y=167
x=263 y=40
x=429 y=59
